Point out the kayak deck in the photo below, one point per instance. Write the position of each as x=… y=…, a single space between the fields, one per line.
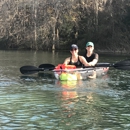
x=80 y=73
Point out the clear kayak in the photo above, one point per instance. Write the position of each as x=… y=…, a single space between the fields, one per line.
x=79 y=74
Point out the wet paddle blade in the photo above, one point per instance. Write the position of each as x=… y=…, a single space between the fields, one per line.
x=29 y=69
x=32 y=69
x=123 y=65
x=47 y=66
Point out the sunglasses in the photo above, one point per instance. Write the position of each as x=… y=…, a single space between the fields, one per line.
x=89 y=46
x=73 y=49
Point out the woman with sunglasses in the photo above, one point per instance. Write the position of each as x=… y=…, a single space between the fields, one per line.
x=90 y=55
x=76 y=59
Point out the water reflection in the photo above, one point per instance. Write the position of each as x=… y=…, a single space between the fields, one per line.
x=79 y=101
x=79 y=89
x=68 y=89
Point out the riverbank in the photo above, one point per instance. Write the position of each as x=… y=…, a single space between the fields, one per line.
x=81 y=51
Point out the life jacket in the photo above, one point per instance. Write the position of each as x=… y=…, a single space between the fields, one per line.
x=63 y=66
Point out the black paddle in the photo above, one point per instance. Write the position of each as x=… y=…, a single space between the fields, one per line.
x=123 y=65
x=43 y=67
x=47 y=66
x=32 y=69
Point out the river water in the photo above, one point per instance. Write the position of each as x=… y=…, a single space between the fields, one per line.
x=40 y=102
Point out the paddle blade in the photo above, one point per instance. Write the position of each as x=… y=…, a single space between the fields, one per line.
x=123 y=65
x=47 y=66
x=29 y=69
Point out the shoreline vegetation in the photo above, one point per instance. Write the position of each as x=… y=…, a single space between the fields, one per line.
x=55 y=25
x=81 y=51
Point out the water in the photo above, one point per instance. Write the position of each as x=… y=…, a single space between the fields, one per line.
x=39 y=102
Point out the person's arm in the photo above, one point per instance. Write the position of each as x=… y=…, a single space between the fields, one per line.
x=83 y=61
x=93 y=63
x=66 y=61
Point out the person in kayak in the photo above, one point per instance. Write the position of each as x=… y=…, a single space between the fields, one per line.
x=91 y=57
x=76 y=59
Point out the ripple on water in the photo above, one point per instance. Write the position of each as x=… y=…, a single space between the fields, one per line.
x=7 y=82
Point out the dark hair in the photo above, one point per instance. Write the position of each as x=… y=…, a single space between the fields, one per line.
x=85 y=53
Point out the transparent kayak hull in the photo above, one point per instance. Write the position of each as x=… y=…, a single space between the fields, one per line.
x=79 y=74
